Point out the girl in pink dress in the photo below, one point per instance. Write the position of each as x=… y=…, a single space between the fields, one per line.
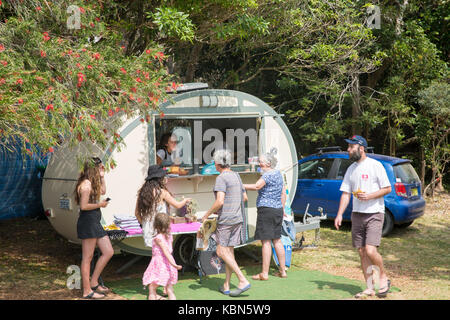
x=162 y=270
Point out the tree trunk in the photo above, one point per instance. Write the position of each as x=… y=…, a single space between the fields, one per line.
x=423 y=168
x=192 y=64
x=356 y=107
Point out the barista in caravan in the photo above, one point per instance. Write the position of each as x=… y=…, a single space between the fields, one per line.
x=165 y=156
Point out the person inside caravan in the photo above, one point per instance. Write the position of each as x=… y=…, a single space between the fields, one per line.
x=230 y=195
x=90 y=186
x=269 y=204
x=165 y=155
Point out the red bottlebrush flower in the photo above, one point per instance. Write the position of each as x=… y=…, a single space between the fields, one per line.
x=4 y=63
x=148 y=51
x=117 y=109
x=162 y=115
x=39 y=78
x=38 y=8
x=159 y=55
x=64 y=98
x=20 y=101
x=96 y=56
x=123 y=70
x=19 y=81
x=49 y=107
x=97 y=19
x=92 y=116
x=2 y=81
x=43 y=54
x=51 y=149
x=142 y=120
x=2 y=48
x=79 y=66
x=139 y=80
x=79 y=137
x=82 y=10
x=89 y=67
x=92 y=25
x=110 y=112
x=133 y=89
x=174 y=86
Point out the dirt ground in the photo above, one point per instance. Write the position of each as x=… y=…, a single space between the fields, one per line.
x=34 y=258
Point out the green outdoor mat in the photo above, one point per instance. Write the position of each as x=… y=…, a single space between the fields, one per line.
x=300 y=285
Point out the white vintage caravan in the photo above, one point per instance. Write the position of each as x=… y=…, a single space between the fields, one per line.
x=196 y=117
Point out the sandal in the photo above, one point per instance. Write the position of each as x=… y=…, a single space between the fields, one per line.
x=223 y=291
x=279 y=275
x=385 y=289
x=91 y=296
x=103 y=291
x=237 y=292
x=259 y=276
x=365 y=293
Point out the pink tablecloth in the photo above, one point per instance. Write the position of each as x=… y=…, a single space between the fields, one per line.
x=185 y=227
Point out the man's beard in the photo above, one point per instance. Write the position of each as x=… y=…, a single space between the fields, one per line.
x=355 y=156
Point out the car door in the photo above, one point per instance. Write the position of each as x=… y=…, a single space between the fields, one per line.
x=334 y=184
x=312 y=186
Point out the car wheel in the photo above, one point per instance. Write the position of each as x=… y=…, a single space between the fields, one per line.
x=405 y=225
x=388 y=224
x=183 y=250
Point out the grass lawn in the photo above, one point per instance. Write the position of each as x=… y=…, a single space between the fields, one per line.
x=34 y=260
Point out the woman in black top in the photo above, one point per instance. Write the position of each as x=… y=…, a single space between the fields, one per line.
x=90 y=185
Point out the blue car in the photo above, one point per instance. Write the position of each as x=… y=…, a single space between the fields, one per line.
x=321 y=174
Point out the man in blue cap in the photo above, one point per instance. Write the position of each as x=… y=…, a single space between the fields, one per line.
x=366 y=178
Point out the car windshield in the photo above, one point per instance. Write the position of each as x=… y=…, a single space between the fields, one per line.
x=405 y=173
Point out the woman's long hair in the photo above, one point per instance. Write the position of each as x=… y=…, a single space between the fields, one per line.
x=90 y=172
x=148 y=197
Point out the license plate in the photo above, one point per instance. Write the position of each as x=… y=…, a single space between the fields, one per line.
x=414 y=192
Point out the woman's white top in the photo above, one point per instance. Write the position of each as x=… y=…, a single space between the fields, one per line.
x=148 y=230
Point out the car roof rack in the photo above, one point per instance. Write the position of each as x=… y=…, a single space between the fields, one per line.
x=327 y=149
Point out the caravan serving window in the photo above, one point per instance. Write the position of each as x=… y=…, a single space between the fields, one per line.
x=198 y=139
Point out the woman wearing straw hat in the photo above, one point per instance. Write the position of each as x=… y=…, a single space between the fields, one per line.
x=269 y=203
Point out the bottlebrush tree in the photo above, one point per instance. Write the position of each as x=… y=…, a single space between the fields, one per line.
x=66 y=75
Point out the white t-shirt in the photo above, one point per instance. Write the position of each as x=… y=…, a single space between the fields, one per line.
x=368 y=176
x=165 y=156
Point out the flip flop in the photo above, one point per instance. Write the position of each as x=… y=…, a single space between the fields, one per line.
x=278 y=274
x=364 y=294
x=238 y=291
x=91 y=296
x=385 y=290
x=223 y=291
x=96 y=288
x=259 y=276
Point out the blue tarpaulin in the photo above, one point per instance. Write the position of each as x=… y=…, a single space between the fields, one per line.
x=20 y=184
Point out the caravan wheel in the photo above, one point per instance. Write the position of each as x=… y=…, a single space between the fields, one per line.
x=183 y=250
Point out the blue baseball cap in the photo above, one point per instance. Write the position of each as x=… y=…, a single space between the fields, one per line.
x=357 y=140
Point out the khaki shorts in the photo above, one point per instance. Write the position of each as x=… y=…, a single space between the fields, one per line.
x=367 y=229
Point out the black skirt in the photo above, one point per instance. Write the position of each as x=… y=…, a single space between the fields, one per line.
x=268 y=223
x=89 y=226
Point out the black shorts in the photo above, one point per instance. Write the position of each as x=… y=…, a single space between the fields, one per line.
x=268 y=223
x=89 y=226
